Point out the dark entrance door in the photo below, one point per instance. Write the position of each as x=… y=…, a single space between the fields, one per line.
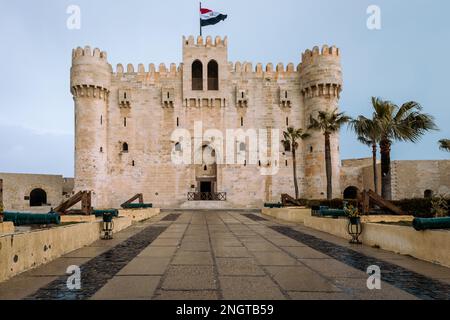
x=205 y=187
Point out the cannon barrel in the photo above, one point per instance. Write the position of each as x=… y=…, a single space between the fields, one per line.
x=137 y=206
x=431 y=224
x=21 y=219
x=112 y=212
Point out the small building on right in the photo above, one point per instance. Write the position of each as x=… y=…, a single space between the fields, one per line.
x=410 y=178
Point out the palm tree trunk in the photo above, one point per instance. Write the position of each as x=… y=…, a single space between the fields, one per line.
x=375 y=167
x=329 y=169
x=386 y=190
x=294 y=165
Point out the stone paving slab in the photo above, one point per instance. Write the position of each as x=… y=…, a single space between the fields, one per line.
x=22 y=286
x=203 y=295
x=158 y=252
x=190 y=278
x=199 y=258
x=145 y=266
x=238 y=267
x=128 y=287
x=250 y=288
x=224 y=255
x=57 y=267
x=274 y=259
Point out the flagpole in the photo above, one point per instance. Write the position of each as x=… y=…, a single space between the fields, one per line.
x=200 y=20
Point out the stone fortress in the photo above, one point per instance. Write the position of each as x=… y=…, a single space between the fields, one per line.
x=125 y=120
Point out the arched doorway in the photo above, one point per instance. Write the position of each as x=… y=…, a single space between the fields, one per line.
x=206 y=173
x=38 y=198
x=351 y=193
x=197 y=75
x=428 y=194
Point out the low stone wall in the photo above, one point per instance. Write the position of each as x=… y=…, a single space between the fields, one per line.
x=293 y=214
x=386 y=218
x=69 y=219
x=21 y=252
x=140 y=214
x=430 y=245
x=6 y=227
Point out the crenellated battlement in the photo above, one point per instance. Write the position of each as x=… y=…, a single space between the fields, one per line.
x=247 y=68
x=205 y=42
x=311 y=56
x=88 y=52
x=173 y=70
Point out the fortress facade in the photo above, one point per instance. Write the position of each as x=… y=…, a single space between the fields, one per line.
x=125 y=120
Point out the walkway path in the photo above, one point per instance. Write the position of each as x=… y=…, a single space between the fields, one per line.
x=229 y=255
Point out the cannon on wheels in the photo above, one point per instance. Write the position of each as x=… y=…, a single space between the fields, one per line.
x=140 y=205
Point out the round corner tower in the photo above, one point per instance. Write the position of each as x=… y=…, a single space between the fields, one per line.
x=90 y=82
x=321 y=85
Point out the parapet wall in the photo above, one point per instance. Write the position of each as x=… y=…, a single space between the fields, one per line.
x=321 y=73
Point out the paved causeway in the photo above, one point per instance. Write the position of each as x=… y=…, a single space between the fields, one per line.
x=228 y=255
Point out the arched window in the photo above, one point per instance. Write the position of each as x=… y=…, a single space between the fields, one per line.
x=197 y=75
x=213 y=75
x=242 y=146
x=38 y=198
x=428 y=194
x=178 y=147
x=351 y=193
x=125 y=147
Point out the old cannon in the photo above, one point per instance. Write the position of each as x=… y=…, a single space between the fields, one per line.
x=431 y=224
x=273 y=205
x=327 y=212
x=22 y=219
x=137 y=206
x=100 y=213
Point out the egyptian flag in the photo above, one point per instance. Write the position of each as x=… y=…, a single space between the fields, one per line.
x=209 y=17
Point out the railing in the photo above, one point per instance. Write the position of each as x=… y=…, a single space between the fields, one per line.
x=207 y=196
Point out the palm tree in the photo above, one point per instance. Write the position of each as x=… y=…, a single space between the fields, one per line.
x=328 y=123
x=290 y=142
x=445 y=144
x=369 y=133
x=405 y=123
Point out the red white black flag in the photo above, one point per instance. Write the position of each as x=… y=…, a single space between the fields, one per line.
x=209 y=17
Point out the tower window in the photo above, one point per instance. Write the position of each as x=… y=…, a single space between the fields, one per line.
x=101 y=120
x=125 y=147
x=242 y=146
x=133 y=163
x=178 y=122
x=124 y=122
x=125 y=95
x=178 y=147
x=242 y=121
x=213 y=75
x=197 y=75
x=311 y=149
x=101 y=149
x=287 y=121
x=286 y=163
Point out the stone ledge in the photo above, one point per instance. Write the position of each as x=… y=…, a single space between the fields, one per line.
x=21 y=252
x=293 y=214
x=69 y=219
x=138 y=215
x=431 y=245
x=6 y=227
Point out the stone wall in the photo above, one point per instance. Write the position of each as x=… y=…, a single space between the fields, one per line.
x=141 y=108
x=17 y=189
x=410 y=179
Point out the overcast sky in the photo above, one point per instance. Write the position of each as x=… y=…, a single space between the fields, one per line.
x=408 y=59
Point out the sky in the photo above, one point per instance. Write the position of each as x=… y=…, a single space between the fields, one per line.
x=407 y=59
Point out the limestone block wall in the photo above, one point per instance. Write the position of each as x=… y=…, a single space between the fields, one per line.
x=410 y=179
x=17 y=187
x=141 y=108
